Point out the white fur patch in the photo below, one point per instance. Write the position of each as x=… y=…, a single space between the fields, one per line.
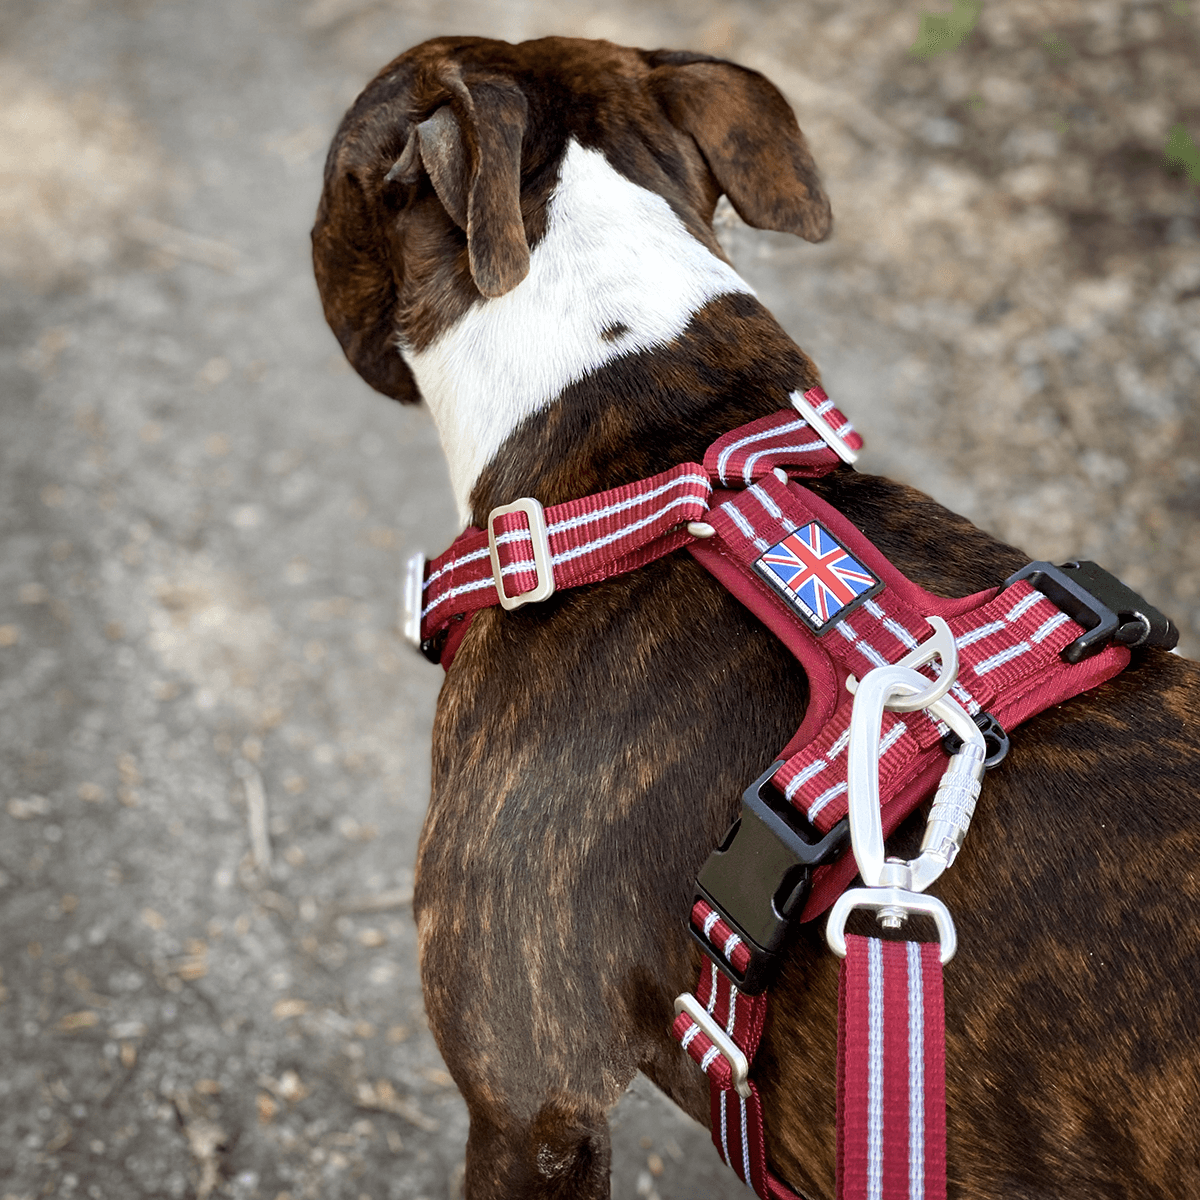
x=614 y=254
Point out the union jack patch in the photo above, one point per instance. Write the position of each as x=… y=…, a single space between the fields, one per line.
x=817 y=576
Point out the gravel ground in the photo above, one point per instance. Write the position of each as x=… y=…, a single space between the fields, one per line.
x=213 y=765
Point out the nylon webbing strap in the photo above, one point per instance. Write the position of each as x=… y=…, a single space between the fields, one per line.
x=616 y=531
x=784 y=439
x=891 y=1140
x=737 y=1120
x=590 y=539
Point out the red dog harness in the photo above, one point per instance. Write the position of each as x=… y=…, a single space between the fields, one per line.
x=844 y=611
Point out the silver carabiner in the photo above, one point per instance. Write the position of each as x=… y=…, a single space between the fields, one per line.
x=956 y=794
x=893 y=886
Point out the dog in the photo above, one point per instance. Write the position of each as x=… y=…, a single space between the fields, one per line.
x=521 y=235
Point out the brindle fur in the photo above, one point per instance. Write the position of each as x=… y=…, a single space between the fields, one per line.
x=589 y=751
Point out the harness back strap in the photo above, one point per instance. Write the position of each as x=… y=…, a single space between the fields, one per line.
x=1009 y=642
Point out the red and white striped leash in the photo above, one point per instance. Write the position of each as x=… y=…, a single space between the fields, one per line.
x=892 y=1082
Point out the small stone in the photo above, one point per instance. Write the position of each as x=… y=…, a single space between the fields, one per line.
x=74 y=1022
x=28 y=808
x=290 y=1088
x=10 y=635
x=213 y=373
x=91 y=793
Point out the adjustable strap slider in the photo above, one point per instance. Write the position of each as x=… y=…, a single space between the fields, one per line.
x=539 y=539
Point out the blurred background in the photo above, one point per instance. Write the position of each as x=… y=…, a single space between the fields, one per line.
x=214 y=753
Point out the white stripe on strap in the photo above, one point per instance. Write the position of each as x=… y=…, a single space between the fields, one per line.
x=1022 y=606
x=745 y=527
x=874 y=1069
x=824 y=798
x=803 y=448
x=1004 y=656
x=618 y=534
x=1048 y=626
x=724 y=456
x=916 y=1076
x=745 y=1144
x=629 y=502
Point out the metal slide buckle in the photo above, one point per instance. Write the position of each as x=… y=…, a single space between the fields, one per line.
x=540 y=539
x=414 y=586
x=726 y=1047
x=1108 y=609
x=822 y=428
x=759 y=879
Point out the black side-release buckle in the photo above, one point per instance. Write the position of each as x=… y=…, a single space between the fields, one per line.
x=759 y=878
x=1102 y=604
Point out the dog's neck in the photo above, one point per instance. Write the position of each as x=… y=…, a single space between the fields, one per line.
x=616 y=274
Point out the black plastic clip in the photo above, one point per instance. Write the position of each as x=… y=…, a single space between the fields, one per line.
x=759 y=878
x=1108 y=609
x=994 y=738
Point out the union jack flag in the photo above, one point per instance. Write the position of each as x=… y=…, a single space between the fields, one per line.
x=813 y=570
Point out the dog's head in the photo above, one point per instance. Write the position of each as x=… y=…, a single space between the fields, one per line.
x=439 y=179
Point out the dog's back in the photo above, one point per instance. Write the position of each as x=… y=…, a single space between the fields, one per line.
x=532 y=225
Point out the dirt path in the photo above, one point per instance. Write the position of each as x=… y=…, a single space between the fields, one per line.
x=213 y=764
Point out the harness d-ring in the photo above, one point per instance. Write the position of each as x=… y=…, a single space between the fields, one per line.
x=941 y=646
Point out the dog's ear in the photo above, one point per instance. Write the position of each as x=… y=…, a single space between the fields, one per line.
x=358 y=289
x=471 y=148
x=748 y=134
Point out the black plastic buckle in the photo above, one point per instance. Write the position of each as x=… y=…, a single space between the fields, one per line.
x=1102 y=604
x=759 y=878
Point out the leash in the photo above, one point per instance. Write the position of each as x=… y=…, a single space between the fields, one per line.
x=884 y=728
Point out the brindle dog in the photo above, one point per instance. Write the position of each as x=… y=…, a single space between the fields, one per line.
x=489 y=238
